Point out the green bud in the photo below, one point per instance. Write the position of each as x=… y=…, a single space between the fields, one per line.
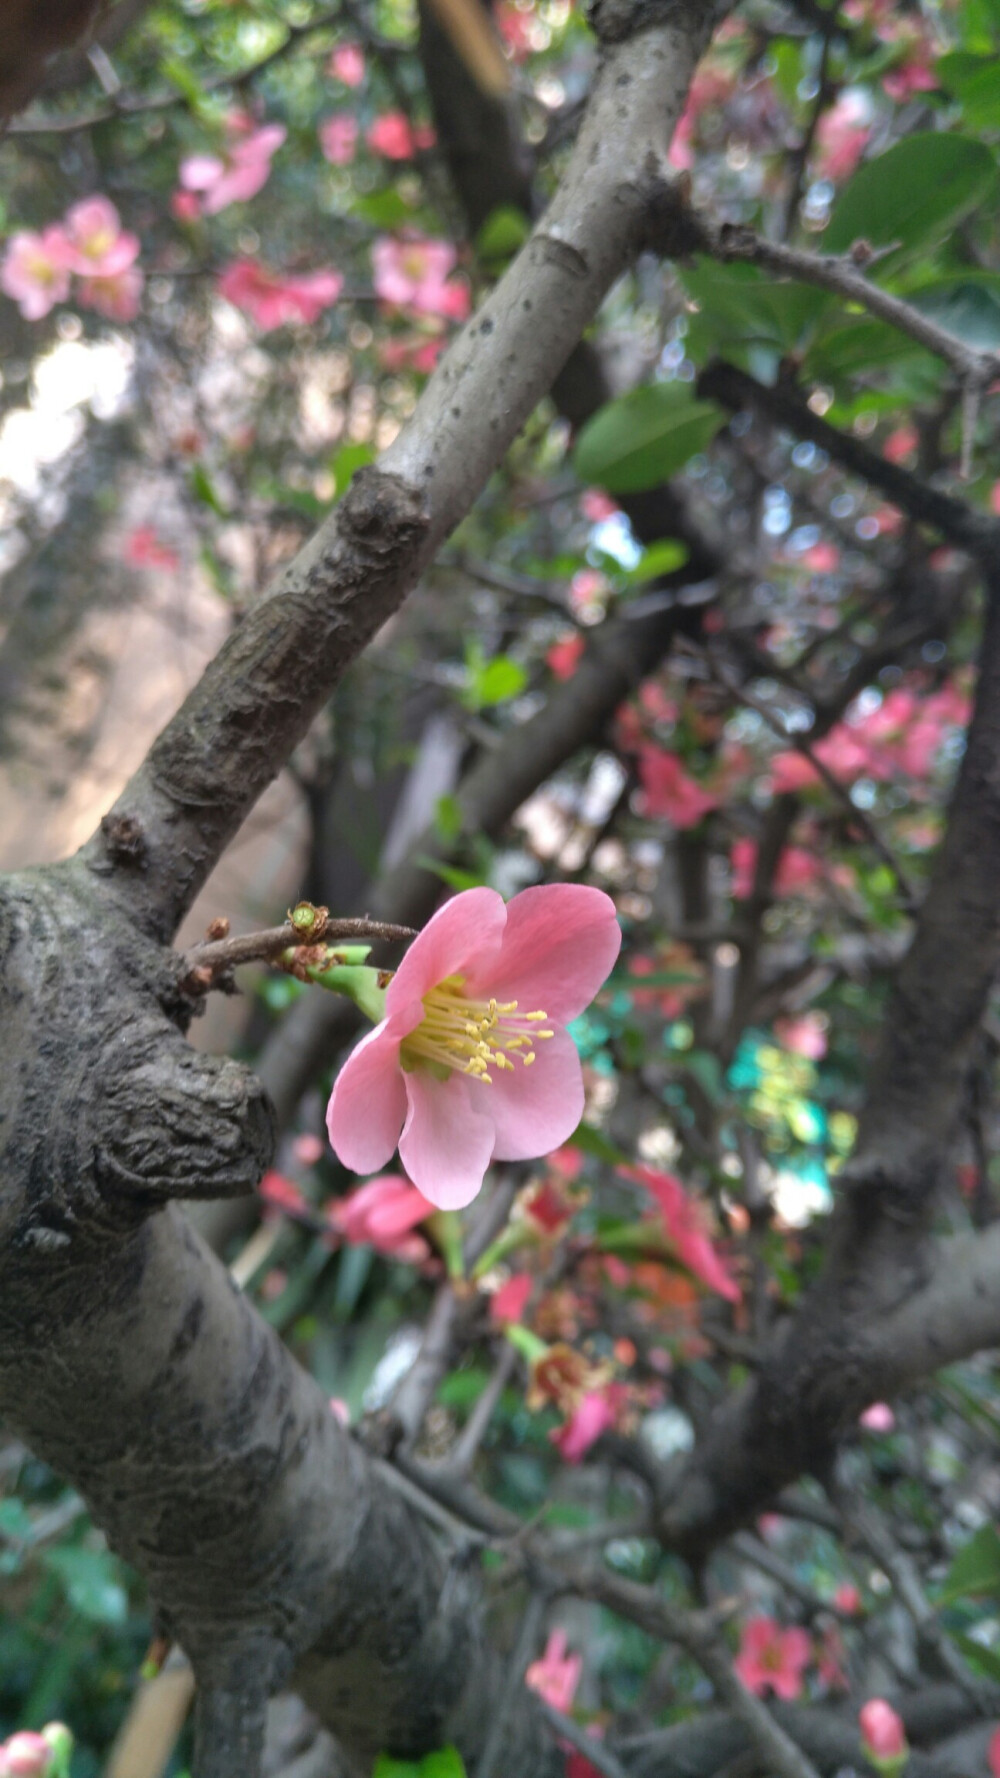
x=446 y=1228
x=524 y=1341
x=359 y=982
x=61 y=1742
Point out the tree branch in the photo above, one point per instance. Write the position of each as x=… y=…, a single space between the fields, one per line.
x=258 y=697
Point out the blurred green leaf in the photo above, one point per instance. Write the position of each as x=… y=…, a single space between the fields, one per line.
x=975 y=1572
x=645 y=437
x=89 y=1578
x=914 y=193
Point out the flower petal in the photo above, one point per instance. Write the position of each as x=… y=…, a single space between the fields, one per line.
x=470 y=925
x=368 y=1103
x=559 y=946
x=447 y=1142
x=535 y=1109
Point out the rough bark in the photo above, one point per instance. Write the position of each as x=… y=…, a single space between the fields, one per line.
x=270 y=1544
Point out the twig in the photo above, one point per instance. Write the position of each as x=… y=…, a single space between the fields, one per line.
x=785 y=407
x=524 y=1648
x=800 y=156
x=219 y=955
x=121 y=105
x=463 y=1453
x=842 y=274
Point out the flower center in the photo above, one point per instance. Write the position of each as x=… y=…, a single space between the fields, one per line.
x=472 y=1036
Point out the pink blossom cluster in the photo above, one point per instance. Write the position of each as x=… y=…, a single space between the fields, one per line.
x=669 y=791
x=90 y=245
x=842 y=135
x=415 y=273
x=211 y=182
x=904 y=734
x=797 y=869
x=275 y=299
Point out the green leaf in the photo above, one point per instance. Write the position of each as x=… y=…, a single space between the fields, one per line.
x=448 y=819
x=591 y=1141
x=446 y=1763
x=707 y=1071
x=384 y=209
x=346 y=462
x=975 y=1572
x=982 y=1660
x=968 y=306
x=451 y=873
x=914 y=193
x=504 y=231
x=660 y=558
x=492 y=682
x=975 y=82
x=645 y=437
x=203 y=488
x=88 y=1577
x=738 y=303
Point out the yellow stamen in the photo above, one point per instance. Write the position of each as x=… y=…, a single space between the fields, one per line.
x=471 y=1036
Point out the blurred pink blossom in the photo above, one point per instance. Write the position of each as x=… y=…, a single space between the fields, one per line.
x=686 y=1225
x=803 y=1036
x=116 y=295
x=338 y=138
x=509 y=1302
x=392 y=135
x=669 y=791
x=272 y=298
x=97 y=245
x=240 y=172
x=563 y=657
x=842 y=136
x=383 y=1213
x=415 y=274
x=35 y=270
x=772 y=1659
x=878 y=1418
x=143 y=549
x=347 y=64
x=883 y=1737
x=594 y=1414
x=556 y=1675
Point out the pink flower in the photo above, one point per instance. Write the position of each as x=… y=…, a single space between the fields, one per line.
x=596 y=505
x=595 y=1413
x=803 y=1036
x=993 y=1754
x=509 y=1302
x=842 y=136
x=563 y=658
x=847 y=1598
x=383 y=1214
x=586 y=589
x=308 y=1149
x=878 y=1418
x=338 y=138
x=143 y=549
x=684 y=1222
x=25 y=1755
x=35 y=270
x=451 y=1074
x=185 y=206
x=392 y=136
x=283 y=1194
x=556 y=1675
x=670 y=791
x=347 y=64
x=772 y=1659
x=821 y=558
x=97 y=245
x=417 y=351
x=340 y=1410
x=413 y=274
x=271 y=299
x=117 y=295
x=238 y=174
x=883 y=1737
x=900 y=444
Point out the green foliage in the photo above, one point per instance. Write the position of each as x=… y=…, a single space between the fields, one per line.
x=644 y=437
x=913 y=194
x=446 y=1763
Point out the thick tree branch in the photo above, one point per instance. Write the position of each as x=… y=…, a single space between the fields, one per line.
x=257 y=698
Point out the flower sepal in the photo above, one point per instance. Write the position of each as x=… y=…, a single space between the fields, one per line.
x=350 y=975
x=446 y=1228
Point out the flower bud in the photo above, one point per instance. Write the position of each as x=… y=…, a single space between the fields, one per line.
x=883 y=1737
x=59 y=1739
x=26 y=1755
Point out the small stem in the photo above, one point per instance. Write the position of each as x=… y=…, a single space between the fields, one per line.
x=222 y=954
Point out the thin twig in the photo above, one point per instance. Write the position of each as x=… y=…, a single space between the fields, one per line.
x=218 y=956
x=524 y=1649
x=466 y=1446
